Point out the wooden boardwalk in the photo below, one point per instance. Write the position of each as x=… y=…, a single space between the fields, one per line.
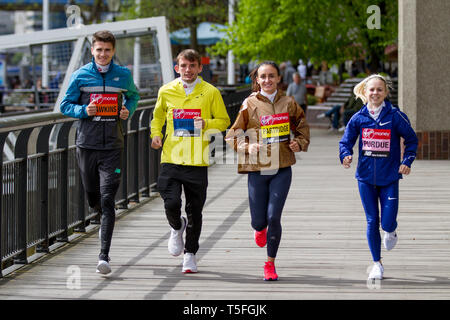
x=323 y=252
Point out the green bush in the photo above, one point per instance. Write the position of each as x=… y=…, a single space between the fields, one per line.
x=345 y=76
x=312 y=100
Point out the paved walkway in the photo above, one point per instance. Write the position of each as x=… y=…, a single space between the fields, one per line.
x=323 y=252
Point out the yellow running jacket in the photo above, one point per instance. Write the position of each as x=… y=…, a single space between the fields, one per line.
x=182 y=143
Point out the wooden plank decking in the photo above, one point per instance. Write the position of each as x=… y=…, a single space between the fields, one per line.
x=323 y=252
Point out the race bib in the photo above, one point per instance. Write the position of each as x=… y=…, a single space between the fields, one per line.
x=376 y=142
x=275 y=128
x=183 y=122
x=107 y=106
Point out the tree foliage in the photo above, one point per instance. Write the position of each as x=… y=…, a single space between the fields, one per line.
x=180 y=13
x=331 y=30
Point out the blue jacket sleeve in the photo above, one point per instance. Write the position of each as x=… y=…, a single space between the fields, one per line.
x=69 y=105
x=348 y=139
x=411 y=142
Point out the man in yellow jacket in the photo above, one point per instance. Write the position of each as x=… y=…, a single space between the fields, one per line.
x=192 y=110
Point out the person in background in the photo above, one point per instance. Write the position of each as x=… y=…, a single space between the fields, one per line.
x=297 y=89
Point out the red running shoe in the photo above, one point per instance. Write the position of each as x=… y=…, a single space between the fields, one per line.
x=269 y=272
x=261 y=237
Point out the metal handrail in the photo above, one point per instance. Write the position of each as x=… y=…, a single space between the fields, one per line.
x=45 y=187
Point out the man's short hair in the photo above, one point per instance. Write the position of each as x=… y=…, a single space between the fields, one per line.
x=191 y=55
x=104 y=36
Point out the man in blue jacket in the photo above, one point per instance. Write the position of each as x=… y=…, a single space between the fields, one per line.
x=95 y=95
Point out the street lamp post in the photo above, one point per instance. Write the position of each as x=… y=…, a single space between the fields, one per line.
x=231 y=76
x=45 y=26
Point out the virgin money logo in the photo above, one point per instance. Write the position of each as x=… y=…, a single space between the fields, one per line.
x=368 y=133
x=266 y=121
x=98 y=98
x=376 y=133
x=186 y=113
x=104 y=98
x=275 y=119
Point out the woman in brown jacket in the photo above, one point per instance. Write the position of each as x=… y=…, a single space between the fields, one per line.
x=269 y=128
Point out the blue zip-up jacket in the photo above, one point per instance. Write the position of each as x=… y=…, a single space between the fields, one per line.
x=94 y=132
x=379 y=144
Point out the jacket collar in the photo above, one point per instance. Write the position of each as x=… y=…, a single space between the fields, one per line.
x=386 y=110
x=111 y=66
x=179 y=85
x=279 y=94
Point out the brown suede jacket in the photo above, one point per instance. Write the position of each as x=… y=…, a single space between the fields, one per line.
x=272 y=126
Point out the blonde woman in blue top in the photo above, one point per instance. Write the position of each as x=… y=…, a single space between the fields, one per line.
x=380 y=127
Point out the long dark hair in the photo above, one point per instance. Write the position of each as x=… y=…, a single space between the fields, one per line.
x=254 y=74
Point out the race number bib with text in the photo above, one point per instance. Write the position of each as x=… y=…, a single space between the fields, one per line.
x=376 y=142
x=107 y=106
x=275 y=128
x=183 y=122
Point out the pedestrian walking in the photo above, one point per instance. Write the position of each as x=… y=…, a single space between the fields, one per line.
x=190 y=108
x=380 y=127
x=297 y=89
x=100 y=94
x=261 y=135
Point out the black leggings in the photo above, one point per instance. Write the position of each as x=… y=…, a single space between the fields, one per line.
x=100 y=173
x=267 y=195
x=194 y=180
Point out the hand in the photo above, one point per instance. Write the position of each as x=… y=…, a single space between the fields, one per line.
x=346 y=162
x=199 y=123
x=404 y=169
x=156 y=142
x=294 y=146
x=91 y=109
x=124 y=113
x=253 y=148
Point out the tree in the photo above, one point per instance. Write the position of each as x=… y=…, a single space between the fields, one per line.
x=331 y=30
x=180 y=13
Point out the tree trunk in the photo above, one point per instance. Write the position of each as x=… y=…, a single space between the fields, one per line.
x=193 y=27
x=194 y=41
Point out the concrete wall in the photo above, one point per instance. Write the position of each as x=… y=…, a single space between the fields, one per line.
x=424 y=63
x=424 y=73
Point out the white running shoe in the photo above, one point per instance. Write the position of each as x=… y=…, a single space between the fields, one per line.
x=390 y=240
x=377 y=271
x=189 y=263
x=103 y=267
x=176 y=243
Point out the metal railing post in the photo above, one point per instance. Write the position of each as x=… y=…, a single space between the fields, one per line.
x=134 y=127
x=21 y=191
x=63 y=143
x=124 y=180
x=145 y=124
x=42 y=146
x=2 y=144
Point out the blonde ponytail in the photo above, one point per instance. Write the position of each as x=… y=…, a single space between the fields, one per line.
x=359 y=89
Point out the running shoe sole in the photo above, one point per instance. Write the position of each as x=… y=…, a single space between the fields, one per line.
x=271 y=279
x=103 y=267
